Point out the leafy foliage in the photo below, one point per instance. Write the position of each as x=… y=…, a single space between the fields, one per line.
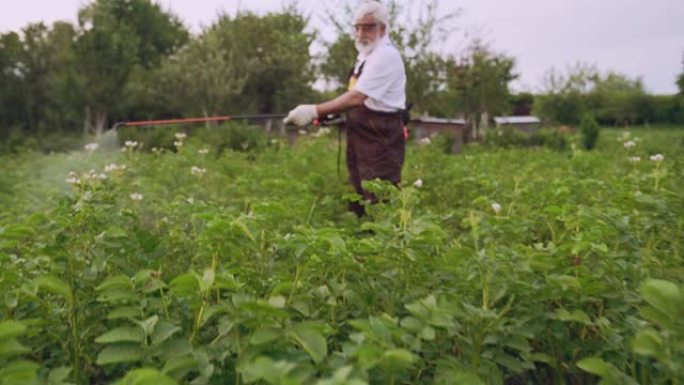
x=253 y=272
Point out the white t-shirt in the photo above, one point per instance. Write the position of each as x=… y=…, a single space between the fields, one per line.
x=383 y=78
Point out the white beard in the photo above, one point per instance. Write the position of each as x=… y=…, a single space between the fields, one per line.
x=365 y=49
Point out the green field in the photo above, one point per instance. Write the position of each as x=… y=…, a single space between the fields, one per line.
x=506 y=266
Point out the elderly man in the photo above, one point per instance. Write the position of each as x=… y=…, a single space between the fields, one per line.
x=374 y=104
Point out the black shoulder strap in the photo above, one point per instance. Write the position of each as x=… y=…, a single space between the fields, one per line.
x=355 y=72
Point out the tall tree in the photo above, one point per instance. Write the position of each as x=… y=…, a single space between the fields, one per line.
x=618 y=99
x=61 y=110
x=120 y=37
x=246 y=63
x=478 y=84
x=278 y=46
x=11 y=95
x=205 y=77
x=563 y=98
x=680 y=80
x=38 y=65
x=611 y=97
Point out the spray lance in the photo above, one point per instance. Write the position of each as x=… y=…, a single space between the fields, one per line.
x=329 y=120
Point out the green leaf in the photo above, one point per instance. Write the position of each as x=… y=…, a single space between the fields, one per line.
x=342 y=376
x=212 y=310
x=124 y=312
x=58 y=376
x=256 y=369
x=118 y=282
x=18 y=373
x=412 y=324
x=664 y=296
x=174 y=347
x=179 y=364
x=418 y=310
x=17 y=232
x=312 y=341
x=277 y=302
x=56 y=286
x=185 y=285
x=594 y=365
x=118 y=296
x=163 y=331
x=11 y=347
x=647 y=343
x=564 y=281
x=11 y=329
x=114 y=354
x=398 y=358
x=227 y=281
x=148 y=324
x=122 y=334
x=369 y=356
x=575 y=316
x=265 y=335
x=509 y=362
x=458 y=377
x=146 y=377
x=518 y=343
x=542 y=357
x=116 y=232
x=428 y=333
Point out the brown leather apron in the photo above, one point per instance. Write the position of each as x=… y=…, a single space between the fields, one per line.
x=375 y=149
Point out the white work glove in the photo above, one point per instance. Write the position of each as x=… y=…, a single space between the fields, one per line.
x=302 y=115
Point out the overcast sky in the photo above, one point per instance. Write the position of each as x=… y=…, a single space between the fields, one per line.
x=635 y=37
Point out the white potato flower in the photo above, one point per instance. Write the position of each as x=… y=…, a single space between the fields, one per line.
x=418 y=183
x=90 y=147
x=496 y=207
x=73 y=178
x=198 y=171
x=657 y=157
x=136 y=197
x=112 y=167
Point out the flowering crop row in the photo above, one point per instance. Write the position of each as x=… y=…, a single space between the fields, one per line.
x=498 y=266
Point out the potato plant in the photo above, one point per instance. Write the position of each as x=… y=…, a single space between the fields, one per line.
x=190 y=266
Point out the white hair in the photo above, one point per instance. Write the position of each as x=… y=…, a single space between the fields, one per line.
x=374 y=8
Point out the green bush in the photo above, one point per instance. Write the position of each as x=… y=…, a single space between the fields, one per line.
x=589 y=129
x=506 y=138
x=445 y=141
x=15 y=141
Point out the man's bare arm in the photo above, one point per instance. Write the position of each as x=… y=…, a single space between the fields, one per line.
x=341 y=103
